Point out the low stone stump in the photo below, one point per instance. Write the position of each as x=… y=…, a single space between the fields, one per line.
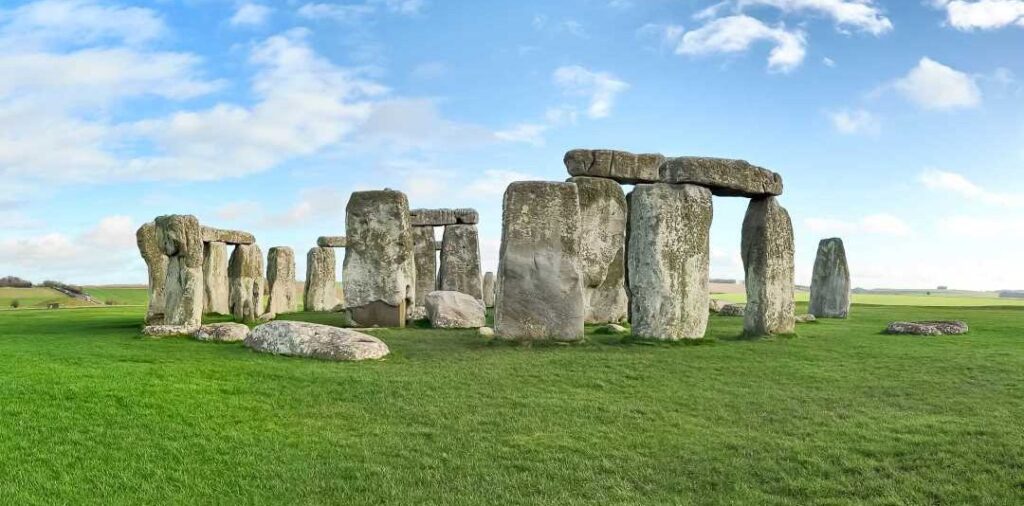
x=222 y=332
x=167 y=330
x=733 y=310
x=455 y=310
x=928 y=328
x=312 y=340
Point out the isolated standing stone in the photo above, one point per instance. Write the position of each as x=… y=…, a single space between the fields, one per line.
x=602 y=249
x=455 y=310
x=156 y=263
x=620 y=166
x=830 y=283
x=426 y=262
x=460 y=261
x=379 y=273
x=215 y=277
x=316 y=341
x=489 y=289
x=725 y=177
x=669 y=233
x=245 y=277
x=539 y=288
x=182 y=242
x=321 y=281
x=281 y=280
x=767 y=250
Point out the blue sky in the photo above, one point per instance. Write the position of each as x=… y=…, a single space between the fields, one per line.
x=898 y=126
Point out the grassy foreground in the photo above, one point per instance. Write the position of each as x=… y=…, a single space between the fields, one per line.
x=90 y=413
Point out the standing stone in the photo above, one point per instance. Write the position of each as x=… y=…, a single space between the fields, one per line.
x=215 y=278
x=460 y=261
x=156 y=263
x=321 y=281
x=602 y=249
x=379 y=272
x=539 y=288
x=426 y=262
x=669 y=236
x=182 y=241
x=767 y=249
x=489 y=289
x=830 y=283
x=281 y=280
x=245 y=277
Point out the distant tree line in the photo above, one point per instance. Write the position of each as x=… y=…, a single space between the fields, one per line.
x=64 y=287
x=14 y=282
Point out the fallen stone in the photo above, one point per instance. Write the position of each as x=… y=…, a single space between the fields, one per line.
x=668 y=257
x=281 y=280
x=233 y=237
x=602 y=249
x=485 y=332
x=455 y=310
x=267 y=317
x=488 y=287
x=620 y=166
x=432 y=217
x=612 y=328
x=329 y=241
x=733 y=310
x=460 y=261
x=167 y=330
x=767 y=250
x=321 y=282
x=715 y=305
x=928 y=328
x=725 y=177
x=830 y=282
x=316 y=341
x=425 y=257
x=215 y=277
x=246 y=282
x=182 y=242
x=222 y=332
x=805 y=318
x=417 y=313
x=156 y=264
x=466 y=216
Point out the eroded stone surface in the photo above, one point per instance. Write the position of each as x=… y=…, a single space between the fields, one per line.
x=715 y=305
x=320 y=292
x=181 y=238
x=432 y=217
x=466 y=216
x=488 y=288
x=233 y=237
x=669 y=232
x=725 y=177
x=460 y=261
x=455 y=310
x=830 y=282
x=805 y=318
x=331 y=241
x=316 y=341
x=621 y=166
x=767 y=250
x=733 y=310
x=928 y=328
x=222 y=332
x=167 y=330
x=426 y=262
x=602 y=249
x=281 y=280
x=246 y=283
x=215 y=278
x=152 y=253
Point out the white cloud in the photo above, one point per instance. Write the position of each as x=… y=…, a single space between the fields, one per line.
x=99 y=251
x=321 y=205
x=665 y=35
x=250 y=14
x=855 y=121
x=958 y=184
x=601 y=88
x=404 y=6
x=859 y=14
x=985 y=227
x=77 y=22
x=982 y=14
x=736 y=34
x=828 y=62
x=875 y=224
x=335 y=12
x=417 y=123
x=493 y=182
x=529 y=133
x=932 y=85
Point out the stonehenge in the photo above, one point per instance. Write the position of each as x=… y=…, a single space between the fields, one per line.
x=602 y=249
x=767 y=251
x=245 y=279
x=321 y=282
x=215 y=277
x=152 y=252
x=460 y=261
x=181 y=238
x=280 y=280
x=459 y=266
x=830 y=282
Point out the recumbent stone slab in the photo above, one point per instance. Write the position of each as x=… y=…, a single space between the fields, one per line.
x=767 y=250
x=602 y=249
x=830 y=282
x=725 y=177
x=316 y=341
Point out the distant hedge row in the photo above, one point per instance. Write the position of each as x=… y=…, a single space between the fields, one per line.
x=14 y=282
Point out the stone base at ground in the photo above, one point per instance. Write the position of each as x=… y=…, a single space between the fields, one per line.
x=222 y=332
x=167 y=330
x=455 y=310
x=936 y=328
x=805 y=318
x=378 y=314
x=316 y=341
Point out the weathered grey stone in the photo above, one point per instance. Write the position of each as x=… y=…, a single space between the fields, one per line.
x=156 y=263
x=488 y=288
x=215 y=278
x=321 y=281
x=928 y=328
x=466 y=216
x=379 y=269
x=313 y=340
x=437 y=245
x=331 y=241
x=246 y=282
x=432 y=217
x=417 y=313
x=725 y=177
x=669 y=232
x=805 y=318
x=715 y=305
x=539 y=287
x=621 y=166
x=733 y=310
x=281 y=280
x=460 y=261
x=612 y=328
x=455 y=310
x=222 y=332
x=602 y=249
x=168 y=330
x=767 y=250
x=182 y=242
x=233 y=237
x=426 y=262
x=830 y=283
x=485 y=332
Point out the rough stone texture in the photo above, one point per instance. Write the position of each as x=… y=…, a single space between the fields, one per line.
x=935 y=328
x=233 y=237
x=830 y=283
x=426 y=262
x=805 y=318
x=612 y=328
x=168 y=330
x=715 y=305
x=432 y=217
x=321 y=281
x=156 y=263
x=313 y=340
x=246 y=282
x=331 y=241
x=669 y=232
x=486 y=332
x=466 y=216
x=222 y=332
x=733 y=310
x=460 y=261
x=379 y=266
x=621 y=166
x=488 y=288
x=215 y=278
x=181 y=238
x=281 y=280
x=417 y=313
x=767 y=250
x=455 y=310
x=602 y=249
x=539 y=287
x=725 y=177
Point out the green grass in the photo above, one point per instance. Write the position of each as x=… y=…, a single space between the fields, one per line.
x=35 y=298
x=936 y=299
x=119 y=296
x=90 y=413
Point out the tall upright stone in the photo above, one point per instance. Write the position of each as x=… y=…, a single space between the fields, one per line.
x=156 y=264
x=602 y=249
x=539 y=287
x=246 y=282
x=767 y=250
x=181 y=238
x=321 y=293
x=460 y=261
x=668 y=257
x=379 y=272
x=281 y=296
x=489 y=289
x=426 y=262
x=830 y=283
x=215 y=278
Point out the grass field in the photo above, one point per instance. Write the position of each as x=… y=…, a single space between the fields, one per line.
x=94 y=414
x=35 y=298
x=119 y=296
x=917 y=299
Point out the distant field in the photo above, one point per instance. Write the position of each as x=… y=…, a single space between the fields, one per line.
x=28 y=298
x=118 y=296
x=919 y=299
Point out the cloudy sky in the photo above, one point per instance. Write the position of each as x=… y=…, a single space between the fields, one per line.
x=897 y=125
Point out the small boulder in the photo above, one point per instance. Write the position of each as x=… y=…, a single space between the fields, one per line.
x=313 y=340
x=222 y=332
x=733 y=310
x=455 y=310
x=930 y=328
x=612 y=328
x=715 y=305
x=417 y=313
x=805 y=318
x=486 y=332
x=167 y=330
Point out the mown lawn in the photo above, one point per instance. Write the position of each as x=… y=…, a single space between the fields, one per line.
x=885 y=299
x=93 y=414
x=114 y=296
x=35 y=298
